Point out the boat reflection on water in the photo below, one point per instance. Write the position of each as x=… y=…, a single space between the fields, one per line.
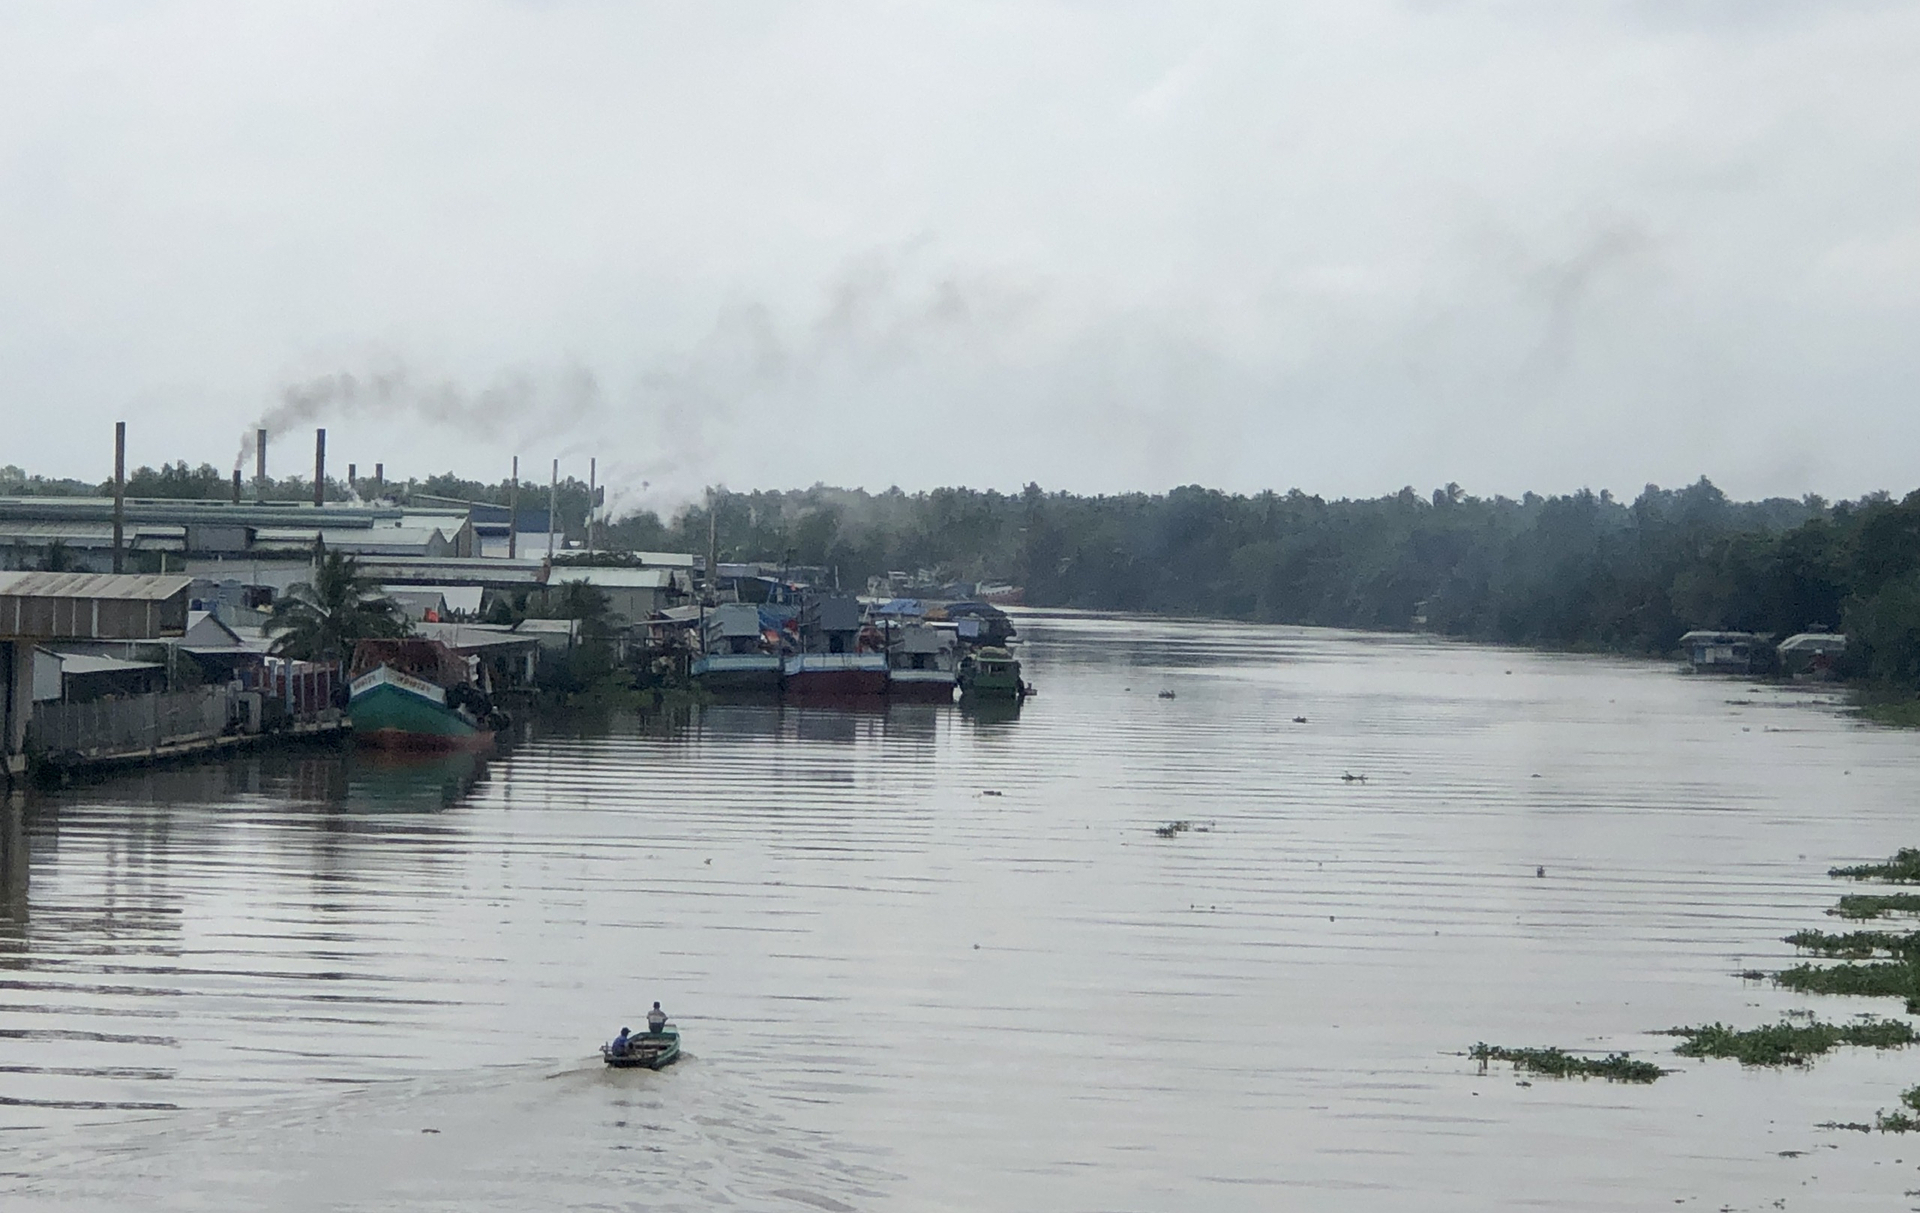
x=403 y=781
x=990 y=712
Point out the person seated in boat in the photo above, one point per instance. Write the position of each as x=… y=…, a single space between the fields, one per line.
x=619 y=1046
x=656 y=1019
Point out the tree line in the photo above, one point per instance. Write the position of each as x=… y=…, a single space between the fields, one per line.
x=1582 y=570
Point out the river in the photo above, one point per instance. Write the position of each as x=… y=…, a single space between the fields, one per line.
x=931 y=959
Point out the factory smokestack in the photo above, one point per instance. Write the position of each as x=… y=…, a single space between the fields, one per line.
x=320 y=467
x=351 y=477
x=236 y=486
x=119 y=496
x=513 y=511
x=260 y=464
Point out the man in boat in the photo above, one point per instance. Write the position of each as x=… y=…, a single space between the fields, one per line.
x=619 y=1046
x=656 y=1019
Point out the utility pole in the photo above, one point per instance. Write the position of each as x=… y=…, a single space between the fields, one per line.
x=119 y=496
x=513 y=511
x=713 y=547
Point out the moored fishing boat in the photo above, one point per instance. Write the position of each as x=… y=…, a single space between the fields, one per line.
x=739 y=652
x=838 y=657
x=651 y=1051
x=836 y=675
x=991 y=672
x=921 y=663
x=419 y=694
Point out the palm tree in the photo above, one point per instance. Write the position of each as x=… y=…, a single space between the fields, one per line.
x=320 y=620
x=585 y=603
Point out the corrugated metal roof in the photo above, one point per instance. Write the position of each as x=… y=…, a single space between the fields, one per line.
x=453 y=570
x=347 y=538
x=467 y=637
x=614 y=579
x=1814 y=642
x=549 y=627
x=125 y=587
x=89 y=663
x=215 y=511
x=85 y=534
x=459 y=597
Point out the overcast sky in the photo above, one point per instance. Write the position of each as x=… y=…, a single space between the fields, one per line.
x=1104 y=246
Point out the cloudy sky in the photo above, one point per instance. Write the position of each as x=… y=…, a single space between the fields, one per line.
x=1341 y=246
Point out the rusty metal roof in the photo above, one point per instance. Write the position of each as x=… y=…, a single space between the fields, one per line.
x=123 y=587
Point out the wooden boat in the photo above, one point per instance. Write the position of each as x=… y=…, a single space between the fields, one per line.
x=418 y=694
x=991 y=673
x=920 y=660
x=648 y=1050
x=838 y=657
x=739 y=652
x=836 y=675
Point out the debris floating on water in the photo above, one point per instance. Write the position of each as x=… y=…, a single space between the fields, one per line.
x=1350 y=777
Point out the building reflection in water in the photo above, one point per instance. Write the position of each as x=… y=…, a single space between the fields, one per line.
x=14 y=862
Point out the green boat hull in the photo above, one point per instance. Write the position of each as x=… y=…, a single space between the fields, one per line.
x=388 y=714
x=652 y=1051
x=991 y=674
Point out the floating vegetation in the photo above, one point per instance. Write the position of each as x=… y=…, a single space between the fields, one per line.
x=1788 y=1043
x=1173 y=827
x=1876 y=905
x=1903 y=1121
x=1870 y=963
x=1903 y=868
x=1558 y=1063
x=1882 y=979
x=1857 y=945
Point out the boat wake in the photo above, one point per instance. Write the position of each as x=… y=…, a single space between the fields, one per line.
x=503 y=1137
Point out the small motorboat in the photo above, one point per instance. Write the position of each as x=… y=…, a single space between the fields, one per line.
x=647 y=1050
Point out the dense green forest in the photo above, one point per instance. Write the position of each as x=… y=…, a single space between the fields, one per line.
x=1585 y=570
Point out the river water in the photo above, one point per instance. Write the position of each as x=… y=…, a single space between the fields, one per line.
x=928 y=959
